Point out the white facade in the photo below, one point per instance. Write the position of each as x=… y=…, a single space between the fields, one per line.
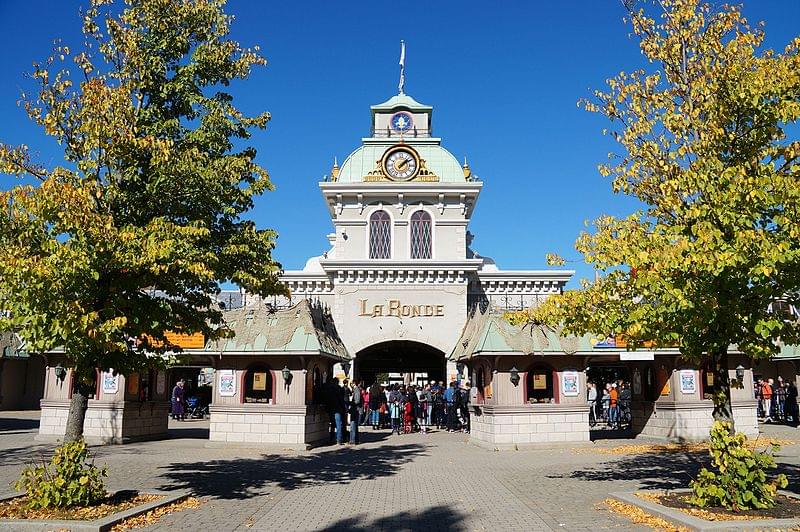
x=420 y=285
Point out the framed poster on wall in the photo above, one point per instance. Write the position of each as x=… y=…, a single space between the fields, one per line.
x=227 y=382
x=688 y=381
x=259 y=381
x=570 y=383
x=539 y=381
x=110 y=382
x=637 y=382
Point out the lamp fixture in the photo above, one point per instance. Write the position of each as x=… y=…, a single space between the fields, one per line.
x=61 y=372
x=514 y=376
x=287 y=375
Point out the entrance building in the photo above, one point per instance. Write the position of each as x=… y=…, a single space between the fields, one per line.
x=401 y=290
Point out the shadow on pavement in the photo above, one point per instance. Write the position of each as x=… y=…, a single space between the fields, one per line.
x=15 y=425
x=241 y=478
x=653 y=470
x=437 y=517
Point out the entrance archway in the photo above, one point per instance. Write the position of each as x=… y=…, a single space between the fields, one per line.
x=400 y=356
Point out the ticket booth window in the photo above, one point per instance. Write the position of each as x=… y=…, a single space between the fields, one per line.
x=258 y=385
x=707 y=381
x=540 y=385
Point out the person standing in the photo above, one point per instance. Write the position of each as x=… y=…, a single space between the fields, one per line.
x=613 y=407
x=766 y=399
x=464 y=394
x=356 y=407
x=334 y=404
x=592 y=400
x=451 y=403
x=395 y=407
x=791 y=408
x=178 y=411
x=779 y=396
x=375 y=395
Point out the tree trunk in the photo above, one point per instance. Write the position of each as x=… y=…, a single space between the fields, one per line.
x=77 y=413
x=723 y=411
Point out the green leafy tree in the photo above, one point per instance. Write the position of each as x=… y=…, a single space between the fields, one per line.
x=708 y=145
x=129 y=238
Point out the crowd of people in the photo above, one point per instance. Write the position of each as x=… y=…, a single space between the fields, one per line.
x=777 y=401
x=402 y=408
x=611 y=406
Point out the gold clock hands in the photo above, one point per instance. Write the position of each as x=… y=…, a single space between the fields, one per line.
x=402 y=164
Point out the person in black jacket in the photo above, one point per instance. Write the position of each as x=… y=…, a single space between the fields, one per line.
x=333 y=399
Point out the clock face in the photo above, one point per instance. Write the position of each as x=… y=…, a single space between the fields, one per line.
x=401 y=122
x=401 y=164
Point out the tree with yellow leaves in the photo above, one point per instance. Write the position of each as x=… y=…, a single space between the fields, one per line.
x=129 y=238
x=708 y=144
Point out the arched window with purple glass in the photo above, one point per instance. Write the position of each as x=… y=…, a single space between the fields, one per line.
x=380 y=235
x=421 y=235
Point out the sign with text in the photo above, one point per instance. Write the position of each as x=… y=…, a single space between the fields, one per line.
x=394 y=307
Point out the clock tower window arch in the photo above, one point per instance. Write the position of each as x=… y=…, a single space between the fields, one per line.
x=421 y=228
x=380 y=235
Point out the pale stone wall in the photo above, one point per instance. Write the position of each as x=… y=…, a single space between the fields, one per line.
x=689 y=421
x=286 y=426
x=515 y=427
x=107 y=422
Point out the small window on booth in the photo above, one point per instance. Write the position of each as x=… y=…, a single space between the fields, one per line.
x=316 y=385
x=540 y=385
x=650 y=387
x=258 y=385
x=707 y=381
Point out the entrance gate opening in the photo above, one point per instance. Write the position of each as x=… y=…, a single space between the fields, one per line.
x=420 y=360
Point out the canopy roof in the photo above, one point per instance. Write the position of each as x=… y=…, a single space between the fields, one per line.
x=259 y=329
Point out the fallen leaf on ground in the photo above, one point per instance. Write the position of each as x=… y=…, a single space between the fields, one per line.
x=149 y=518
x=640 y=517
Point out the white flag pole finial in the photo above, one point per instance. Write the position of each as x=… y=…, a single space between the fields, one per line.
x=402 y=83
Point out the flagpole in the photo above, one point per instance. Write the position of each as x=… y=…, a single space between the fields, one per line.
x=401 y=85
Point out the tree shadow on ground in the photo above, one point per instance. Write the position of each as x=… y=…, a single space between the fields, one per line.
x=652 y=470
x=241 y=478
x=27 y=454
x=16 y=425
x=664 y=471
x=437 y=517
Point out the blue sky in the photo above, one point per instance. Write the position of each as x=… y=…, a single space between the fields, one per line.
x=503 y=79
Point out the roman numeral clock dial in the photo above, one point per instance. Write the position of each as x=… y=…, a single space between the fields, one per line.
x=401 y=163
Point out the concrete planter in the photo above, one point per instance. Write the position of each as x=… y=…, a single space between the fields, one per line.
x=691 y=522
x=97 y=525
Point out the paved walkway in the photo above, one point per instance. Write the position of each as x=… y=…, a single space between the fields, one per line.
x=407 y=482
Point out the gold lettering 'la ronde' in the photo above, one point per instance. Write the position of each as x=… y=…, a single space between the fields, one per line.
x=394 y=307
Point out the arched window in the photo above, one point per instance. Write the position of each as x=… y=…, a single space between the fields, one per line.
x=380 y=235
x=258 y=385
x=421 y=235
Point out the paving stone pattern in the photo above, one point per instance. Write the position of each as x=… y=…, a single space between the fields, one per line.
x=408 y=482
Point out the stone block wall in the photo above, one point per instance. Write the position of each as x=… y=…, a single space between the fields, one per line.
x=515 y=427
x=108 y=422
x=689 y=421
x=285 y=426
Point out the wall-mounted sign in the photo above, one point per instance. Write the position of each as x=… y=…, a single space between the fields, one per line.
x=539 y=381
x=227 y=382
x=570 y=383
x=260 y=381
x=110 y=382
x=394 y=307
x=688 y=381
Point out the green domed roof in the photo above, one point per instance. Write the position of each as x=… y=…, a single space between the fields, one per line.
x=401 y=100
x=365 y=159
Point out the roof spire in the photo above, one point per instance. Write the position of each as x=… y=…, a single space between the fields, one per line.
x=402 y=84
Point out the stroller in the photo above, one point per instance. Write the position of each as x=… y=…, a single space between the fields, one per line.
x=194 y=409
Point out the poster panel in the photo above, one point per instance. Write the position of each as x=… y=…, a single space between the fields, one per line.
x=227 y=382
x=688 y=381
x=570 y=383
x=110 y=382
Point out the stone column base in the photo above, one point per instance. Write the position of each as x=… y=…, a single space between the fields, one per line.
x=297 y=427
x=518 y=427
x=689 y=421
x=105 y=423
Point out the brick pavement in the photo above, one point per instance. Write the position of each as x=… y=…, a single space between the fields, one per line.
x=407 y=482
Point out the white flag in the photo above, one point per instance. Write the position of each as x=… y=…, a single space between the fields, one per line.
x=402 y=53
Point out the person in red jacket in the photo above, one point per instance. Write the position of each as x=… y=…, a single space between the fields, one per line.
x=766 y=400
